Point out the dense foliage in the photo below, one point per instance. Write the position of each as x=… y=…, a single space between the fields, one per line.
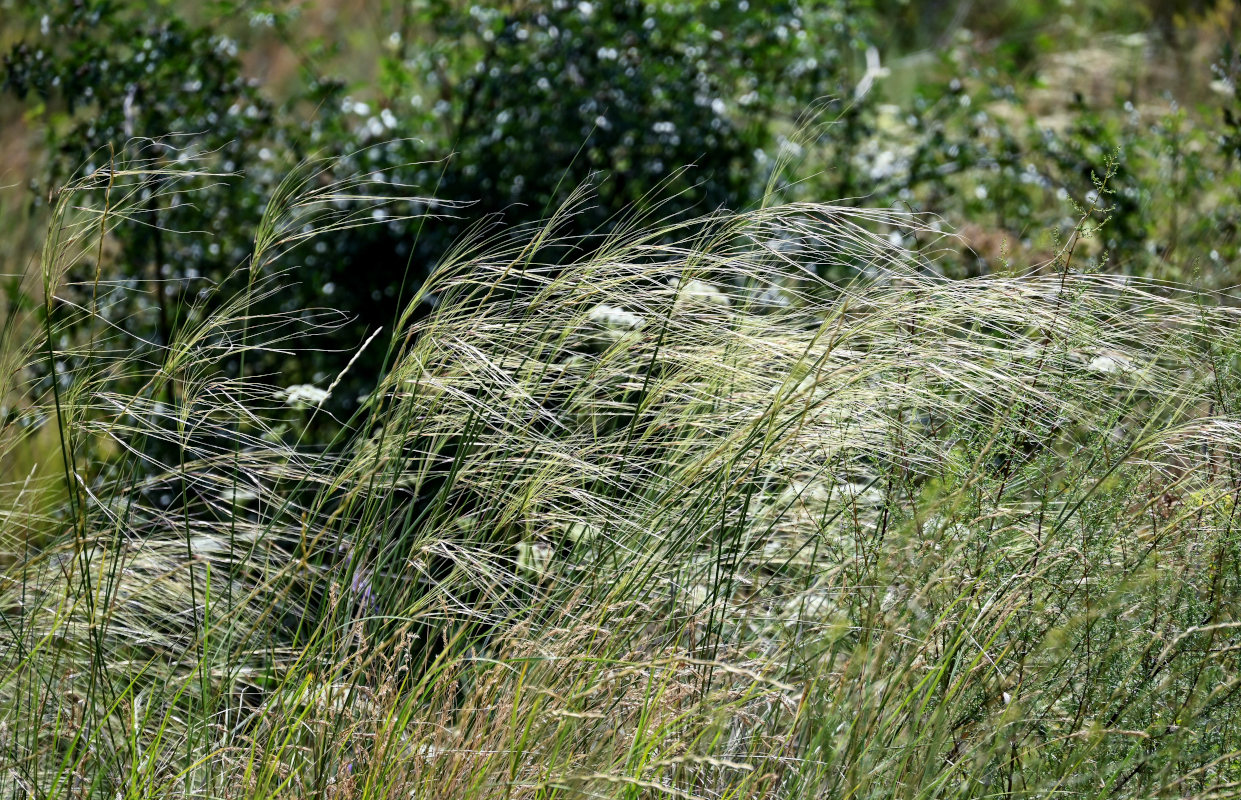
x=506 y=110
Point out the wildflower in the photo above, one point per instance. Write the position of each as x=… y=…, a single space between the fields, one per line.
x=302 y=396
x=696 y=293
x=612 y=325
x=615 y=319
x=1110 y=364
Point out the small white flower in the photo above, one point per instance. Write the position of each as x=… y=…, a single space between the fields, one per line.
x=698 y=293
x=613 y=325
x=614 y=318
x=1110 y=364
x=302 y=395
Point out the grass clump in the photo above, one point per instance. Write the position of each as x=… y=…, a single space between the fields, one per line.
x=673 y=517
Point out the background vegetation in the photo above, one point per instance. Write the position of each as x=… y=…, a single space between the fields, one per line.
x=434 y=399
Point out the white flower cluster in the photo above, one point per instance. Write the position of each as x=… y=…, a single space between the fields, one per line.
x=695 y=293
x=302 y=395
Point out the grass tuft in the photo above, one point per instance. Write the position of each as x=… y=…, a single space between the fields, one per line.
x=676 y=516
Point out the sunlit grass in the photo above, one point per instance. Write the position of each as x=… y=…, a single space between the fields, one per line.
x=678 y=518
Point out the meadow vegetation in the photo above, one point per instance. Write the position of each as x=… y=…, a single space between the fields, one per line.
x=634 y=496
x=678 y=517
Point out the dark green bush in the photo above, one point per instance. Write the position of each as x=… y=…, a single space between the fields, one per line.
x=507 y=109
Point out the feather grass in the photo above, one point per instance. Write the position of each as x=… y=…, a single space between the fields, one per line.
x=676 y=517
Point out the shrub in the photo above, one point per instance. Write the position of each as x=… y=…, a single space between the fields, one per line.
x=643 y=101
